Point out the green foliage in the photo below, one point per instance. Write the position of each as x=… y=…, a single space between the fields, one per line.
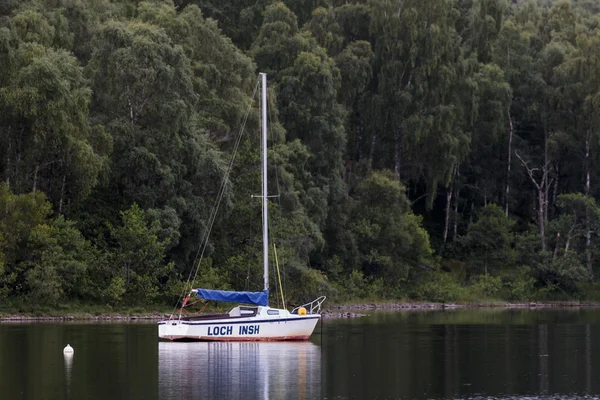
x=356 y=286
x=522 y=285
x=47 y=133
x=389 y=237
x=59 y=255
x=278 y=42
x=118 y=120
x=439 y=287
x=308 y=284
x=43 y=259
x=211 y=278
x=562 y=274
x=113 y=293
x=20 y=216
x=42 y=276
x=354 y=64
x=486 y=286
x=489 y=240
x=137 y=257
x=325 y=29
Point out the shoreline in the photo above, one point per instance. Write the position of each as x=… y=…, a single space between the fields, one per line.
x=79 y=318
x=332 y=311
x=356 y=310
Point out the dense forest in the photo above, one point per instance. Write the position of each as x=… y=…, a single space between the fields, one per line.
x=443 y=150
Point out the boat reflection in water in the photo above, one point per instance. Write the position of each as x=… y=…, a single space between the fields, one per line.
x=239 y=370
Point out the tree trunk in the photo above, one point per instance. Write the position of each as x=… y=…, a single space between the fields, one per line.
x=555 y=190
x=62 y=194
x=130 y=105
x=398 y=153
x=510 y=136
x=485 y=265
x=454 y=229
x=35 y=174
x=542 y=196
x=541 y=221
x=588 y=232
x=372 y=153
x=17 y=173
x=360 y=140
x=546 y=193
x=587 y=164
x=544 y=183
x=447 y=219
x=569 y=236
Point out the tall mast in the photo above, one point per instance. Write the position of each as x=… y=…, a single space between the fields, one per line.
x=264 y=182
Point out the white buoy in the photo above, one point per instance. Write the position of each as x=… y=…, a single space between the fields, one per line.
x=68 y=350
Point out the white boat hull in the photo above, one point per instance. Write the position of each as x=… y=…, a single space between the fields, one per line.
x=261 y=327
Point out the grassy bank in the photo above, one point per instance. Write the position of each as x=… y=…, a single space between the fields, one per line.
x=81 y=311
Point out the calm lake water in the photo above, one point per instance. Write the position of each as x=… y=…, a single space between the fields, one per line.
x=460 y=354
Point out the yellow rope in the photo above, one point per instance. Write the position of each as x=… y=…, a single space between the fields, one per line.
x=279 y=275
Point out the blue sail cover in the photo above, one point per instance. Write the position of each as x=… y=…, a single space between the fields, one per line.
x=257 y=298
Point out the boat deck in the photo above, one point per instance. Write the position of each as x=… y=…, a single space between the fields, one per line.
x=244 y=312
x=211 y=316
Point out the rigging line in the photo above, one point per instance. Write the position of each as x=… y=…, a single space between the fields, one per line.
x=273 y=273
x=270 y=127
x=271 y=223
x=212 y=217
x=271 y=229
x=223 y=186
x=279 y=275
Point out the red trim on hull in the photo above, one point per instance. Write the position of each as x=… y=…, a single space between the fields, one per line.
x=240 y=339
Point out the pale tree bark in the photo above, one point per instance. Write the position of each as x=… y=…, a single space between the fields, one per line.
x=486 y=262
x=555 y=187
x=18 y=171
x=546 y=203
x=398 y=152
x=508 y=163
x=541 y=220
x=360 y=140
x=130 y=105
x=569 y=237
x=131 y=117
x=556 y=247
x=448 y=206
x=455 y=227
x=447 y=218
x=35 y=175
x=545 y=177
x=588 y=232
x=587 y=164
x=62 y=194
x=542 y=195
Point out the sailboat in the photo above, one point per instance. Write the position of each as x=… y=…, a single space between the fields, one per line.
x=253 y=319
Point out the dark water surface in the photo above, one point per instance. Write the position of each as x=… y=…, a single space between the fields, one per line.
x=489 y=354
